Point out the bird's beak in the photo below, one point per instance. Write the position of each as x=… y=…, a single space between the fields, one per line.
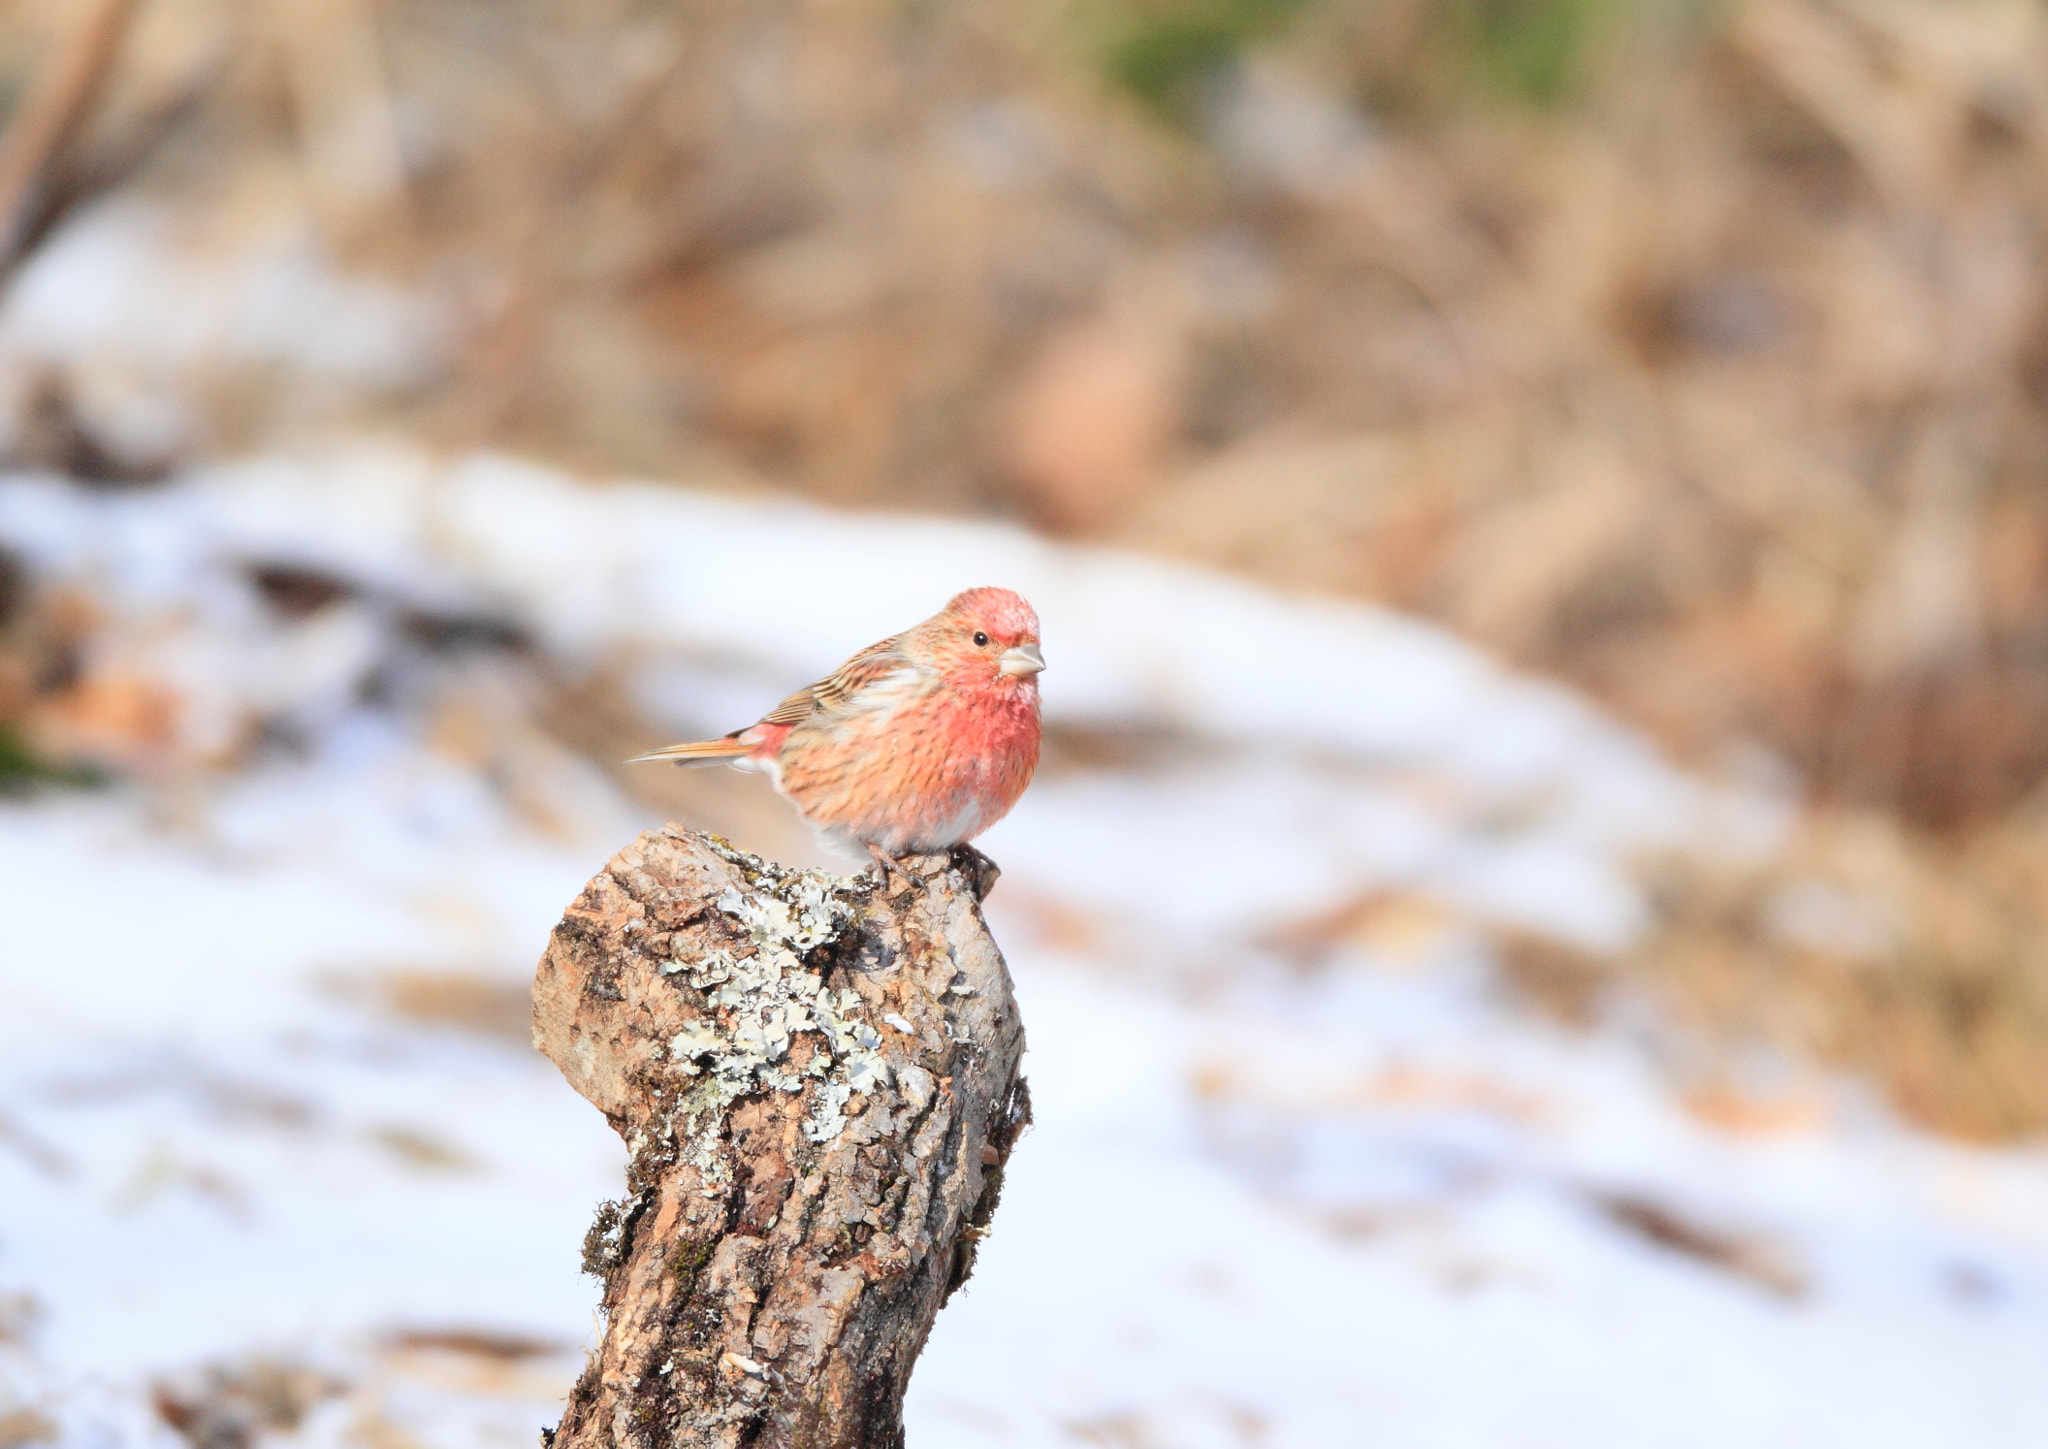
x=1023 y=660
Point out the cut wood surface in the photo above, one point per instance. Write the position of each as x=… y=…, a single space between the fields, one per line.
x=819 y=1082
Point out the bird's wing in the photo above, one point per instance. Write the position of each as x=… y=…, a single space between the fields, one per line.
x=839 y=688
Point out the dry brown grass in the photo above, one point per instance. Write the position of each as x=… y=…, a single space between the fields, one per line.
x=1719 y=386
x=1719 y=391
x=1920 y=964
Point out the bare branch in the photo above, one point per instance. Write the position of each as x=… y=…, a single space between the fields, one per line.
x=52 y=115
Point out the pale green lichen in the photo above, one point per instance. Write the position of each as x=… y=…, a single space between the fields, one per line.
x=762 y=1003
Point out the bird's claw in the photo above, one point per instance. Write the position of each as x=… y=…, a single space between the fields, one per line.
x=980 y=872
x=887 y=870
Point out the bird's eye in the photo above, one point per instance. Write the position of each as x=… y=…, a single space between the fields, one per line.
x=980 y=639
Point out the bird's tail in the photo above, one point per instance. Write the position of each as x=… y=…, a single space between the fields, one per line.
x=697 y=752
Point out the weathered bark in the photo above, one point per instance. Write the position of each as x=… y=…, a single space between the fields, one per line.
x=819 y=1083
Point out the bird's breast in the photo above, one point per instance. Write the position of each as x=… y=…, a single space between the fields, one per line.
x=937 y=767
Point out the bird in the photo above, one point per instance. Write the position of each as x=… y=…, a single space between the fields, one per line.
x=914 y=745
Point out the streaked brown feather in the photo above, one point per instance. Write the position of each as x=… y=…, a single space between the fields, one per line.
x=823 y=698
x=835 y=689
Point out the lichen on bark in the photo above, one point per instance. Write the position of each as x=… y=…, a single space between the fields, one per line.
x=819 y=1083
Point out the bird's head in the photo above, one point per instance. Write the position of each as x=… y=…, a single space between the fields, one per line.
x=985 y=638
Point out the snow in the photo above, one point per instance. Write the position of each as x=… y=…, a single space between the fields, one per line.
x=270 y=299
x=1368 y=1202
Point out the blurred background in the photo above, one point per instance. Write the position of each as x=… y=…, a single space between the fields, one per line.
x=1538 y=510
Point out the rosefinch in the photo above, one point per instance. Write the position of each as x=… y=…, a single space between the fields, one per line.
x=914 y=744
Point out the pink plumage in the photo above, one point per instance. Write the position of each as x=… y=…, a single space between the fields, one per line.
x=914 y=744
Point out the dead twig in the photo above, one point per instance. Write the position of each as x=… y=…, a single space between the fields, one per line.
x=59 y=104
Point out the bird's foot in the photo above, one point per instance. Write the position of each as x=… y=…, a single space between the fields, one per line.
x=889 y=871
x=981 y=872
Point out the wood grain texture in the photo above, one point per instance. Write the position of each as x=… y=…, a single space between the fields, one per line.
x=820 y=1086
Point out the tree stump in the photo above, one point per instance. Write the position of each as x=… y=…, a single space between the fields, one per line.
x=819 y=1082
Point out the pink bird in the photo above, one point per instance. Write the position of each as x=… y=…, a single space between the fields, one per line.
x=913 y=745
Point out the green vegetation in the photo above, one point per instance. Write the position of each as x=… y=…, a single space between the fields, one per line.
x=1539 y=53
x=686 y=1260
x=1166 y=53
x=22 y=770
x=1536 y=51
